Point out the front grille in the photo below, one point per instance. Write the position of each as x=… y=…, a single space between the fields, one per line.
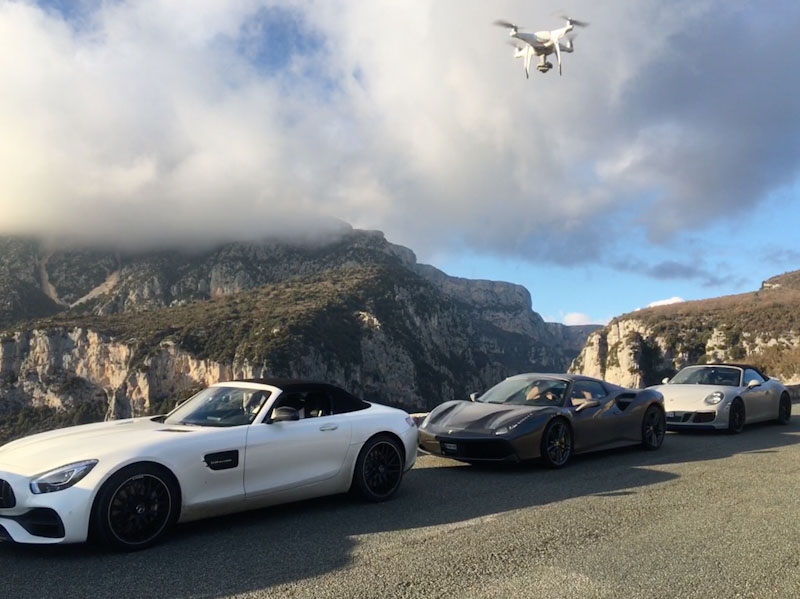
x=680 y=417
x=704 y=417
x=490 y=449
x=7 y=499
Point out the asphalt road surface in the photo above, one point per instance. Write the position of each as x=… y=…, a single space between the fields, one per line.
x=708 y=515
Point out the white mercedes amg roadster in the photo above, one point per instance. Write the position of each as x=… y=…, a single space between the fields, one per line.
x=234 y=446
x=723 y=396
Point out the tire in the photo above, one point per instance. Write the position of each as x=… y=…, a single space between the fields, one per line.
x=784 y=409
x=736 y=417
x=654 y=427
x=379 y=468
x=556 y=443
x=135 y=507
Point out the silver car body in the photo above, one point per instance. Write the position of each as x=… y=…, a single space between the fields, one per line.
x=689 y=405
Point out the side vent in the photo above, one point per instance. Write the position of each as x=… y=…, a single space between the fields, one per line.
x=224 y=460
x=623 y=400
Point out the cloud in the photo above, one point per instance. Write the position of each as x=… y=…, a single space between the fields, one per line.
x=666 y=302
x=674 y=270
x=174 y=120
x=575 y=318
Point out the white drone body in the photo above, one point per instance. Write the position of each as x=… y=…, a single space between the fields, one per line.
x=542 y=43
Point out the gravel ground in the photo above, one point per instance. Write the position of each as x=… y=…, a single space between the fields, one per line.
x=708 y=515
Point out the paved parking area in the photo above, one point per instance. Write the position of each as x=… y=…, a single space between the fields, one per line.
x=709 y=515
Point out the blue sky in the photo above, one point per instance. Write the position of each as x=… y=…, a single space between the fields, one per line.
x=663 y=163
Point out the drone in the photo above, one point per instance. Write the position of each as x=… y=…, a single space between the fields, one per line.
x=543 y=43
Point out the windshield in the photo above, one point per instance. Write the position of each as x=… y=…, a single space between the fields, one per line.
x=527 y=392
x=708 y=375
x=220 y=406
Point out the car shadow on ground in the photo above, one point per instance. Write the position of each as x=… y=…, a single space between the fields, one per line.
x=258 y=550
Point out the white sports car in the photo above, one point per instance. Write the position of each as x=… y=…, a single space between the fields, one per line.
x=234 y=446
x=723 y=396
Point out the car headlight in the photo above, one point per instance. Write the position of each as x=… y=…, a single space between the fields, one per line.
x=715 y=398
x=61 y=478
x=502 y=430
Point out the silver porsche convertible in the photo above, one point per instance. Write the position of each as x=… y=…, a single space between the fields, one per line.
x=723 y=396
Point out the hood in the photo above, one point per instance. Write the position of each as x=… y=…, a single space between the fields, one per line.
x=44 y=451
x=689 y=398
x=477 y=417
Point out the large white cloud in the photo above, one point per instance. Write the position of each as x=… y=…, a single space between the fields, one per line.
x=165 y=120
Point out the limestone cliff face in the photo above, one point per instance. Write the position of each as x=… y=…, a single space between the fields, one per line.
x=621 y=353
x=134 y=333
x=637 y=352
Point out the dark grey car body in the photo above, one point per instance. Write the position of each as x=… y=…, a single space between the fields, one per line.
x=472 y=431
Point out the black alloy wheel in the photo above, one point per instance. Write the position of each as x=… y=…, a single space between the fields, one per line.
x=379 y=469
x=135 y=507
x=784 y=409
x=654 y=427
x=556 y=443
x=736 y=417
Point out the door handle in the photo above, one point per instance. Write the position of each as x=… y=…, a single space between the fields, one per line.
x=328 y=427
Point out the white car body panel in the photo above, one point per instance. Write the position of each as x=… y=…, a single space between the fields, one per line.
x=277 y=462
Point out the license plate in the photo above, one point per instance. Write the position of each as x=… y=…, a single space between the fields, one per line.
x=449 y=448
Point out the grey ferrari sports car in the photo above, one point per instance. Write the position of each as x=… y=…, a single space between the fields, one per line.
x=547 y=416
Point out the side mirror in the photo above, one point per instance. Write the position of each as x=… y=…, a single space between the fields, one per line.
x=592 y=403
x=665 y=380
x=752 y=384
x=474 y=396
x=283 y=414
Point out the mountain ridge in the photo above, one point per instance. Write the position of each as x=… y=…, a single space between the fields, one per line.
x=359 y=312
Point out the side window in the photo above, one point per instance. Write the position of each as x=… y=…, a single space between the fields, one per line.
x=583 y=391
x=310 y=403
x=750 y=374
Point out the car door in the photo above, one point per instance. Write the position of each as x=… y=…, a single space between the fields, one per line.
x=593 y=426
x=283 y=455
x=756 y=399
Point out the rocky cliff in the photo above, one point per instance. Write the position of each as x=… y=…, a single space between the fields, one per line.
x=762 y=327
x=129 y=335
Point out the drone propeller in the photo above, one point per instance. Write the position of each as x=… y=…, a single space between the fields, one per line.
x=507 y=25
x=572 y=21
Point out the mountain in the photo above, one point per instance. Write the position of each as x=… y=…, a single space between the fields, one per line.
x=119 y=334
x=642 y=347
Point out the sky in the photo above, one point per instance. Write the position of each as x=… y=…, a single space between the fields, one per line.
x=663 y=163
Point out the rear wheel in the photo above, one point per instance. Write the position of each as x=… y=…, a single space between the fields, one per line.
x=736 y=417
x=556 y=443
x=784 y=409
x=379 y=468
x=135 y=507
x=654 y=426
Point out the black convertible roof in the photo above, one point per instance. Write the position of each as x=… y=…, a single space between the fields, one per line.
x=286 y=384
x=733 y=364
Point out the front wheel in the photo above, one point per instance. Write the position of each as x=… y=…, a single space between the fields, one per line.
x=654 y=426
x=556 y=443
x=736 y=417
x=784 y=409
x=135 y=507
x=379 y=469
